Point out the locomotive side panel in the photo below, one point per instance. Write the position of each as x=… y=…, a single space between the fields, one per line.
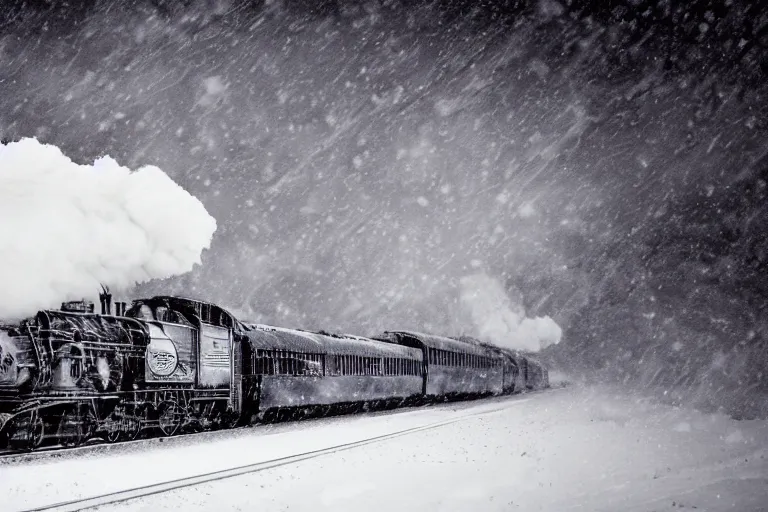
x=215 y=355
x=170 y=355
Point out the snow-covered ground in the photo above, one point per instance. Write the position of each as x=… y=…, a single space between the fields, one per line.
x=576 y=448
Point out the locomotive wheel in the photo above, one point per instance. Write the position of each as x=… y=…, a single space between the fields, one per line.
x=113 y=436
x=134 y=424
x=36 y=431
x=77 y=428
x=113 y=431
x=169 y=418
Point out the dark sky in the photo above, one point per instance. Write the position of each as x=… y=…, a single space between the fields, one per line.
x=605 y=161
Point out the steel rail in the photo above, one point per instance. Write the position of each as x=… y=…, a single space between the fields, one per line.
x=170 y=485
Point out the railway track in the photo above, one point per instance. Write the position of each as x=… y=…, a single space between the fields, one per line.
x=115 y=497
x=101 y=446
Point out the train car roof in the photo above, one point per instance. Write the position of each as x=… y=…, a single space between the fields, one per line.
x=443 y=343
x=267 y=337
x=509 y=352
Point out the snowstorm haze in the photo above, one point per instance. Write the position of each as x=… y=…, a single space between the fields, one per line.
x=605 y=166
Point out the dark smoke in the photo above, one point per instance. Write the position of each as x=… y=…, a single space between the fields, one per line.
x=605 y=160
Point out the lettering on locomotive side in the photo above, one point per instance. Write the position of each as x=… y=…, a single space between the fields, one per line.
x=169 y=354
x=162 y=362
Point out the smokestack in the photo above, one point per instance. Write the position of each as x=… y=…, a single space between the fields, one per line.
x=106 y=300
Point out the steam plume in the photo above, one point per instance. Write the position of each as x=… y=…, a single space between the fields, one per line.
x=498 y=319
x=65 y=228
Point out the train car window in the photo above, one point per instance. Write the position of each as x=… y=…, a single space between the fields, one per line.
x=205 y=313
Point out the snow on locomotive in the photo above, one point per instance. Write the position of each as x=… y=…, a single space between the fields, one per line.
x=169 y=363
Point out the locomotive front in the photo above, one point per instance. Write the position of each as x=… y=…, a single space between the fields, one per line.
x=17 y=360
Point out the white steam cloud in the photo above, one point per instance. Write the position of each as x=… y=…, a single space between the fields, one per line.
x=65 y=228
x=497 y=319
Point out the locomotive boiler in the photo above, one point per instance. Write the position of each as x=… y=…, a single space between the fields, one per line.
x=168 y=364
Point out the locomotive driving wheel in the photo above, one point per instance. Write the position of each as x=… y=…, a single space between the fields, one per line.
x=36 y=431
x=135 y=421
x=169 y=418
x=113 y=427
x=77 y=427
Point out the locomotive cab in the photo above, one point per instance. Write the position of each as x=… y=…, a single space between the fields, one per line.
x=191 y=342
x=197 y=345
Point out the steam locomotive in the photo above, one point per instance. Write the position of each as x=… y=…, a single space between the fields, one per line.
x=169 y=364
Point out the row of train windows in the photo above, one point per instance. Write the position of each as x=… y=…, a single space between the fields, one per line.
x=282 y=362
x=448 y=358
